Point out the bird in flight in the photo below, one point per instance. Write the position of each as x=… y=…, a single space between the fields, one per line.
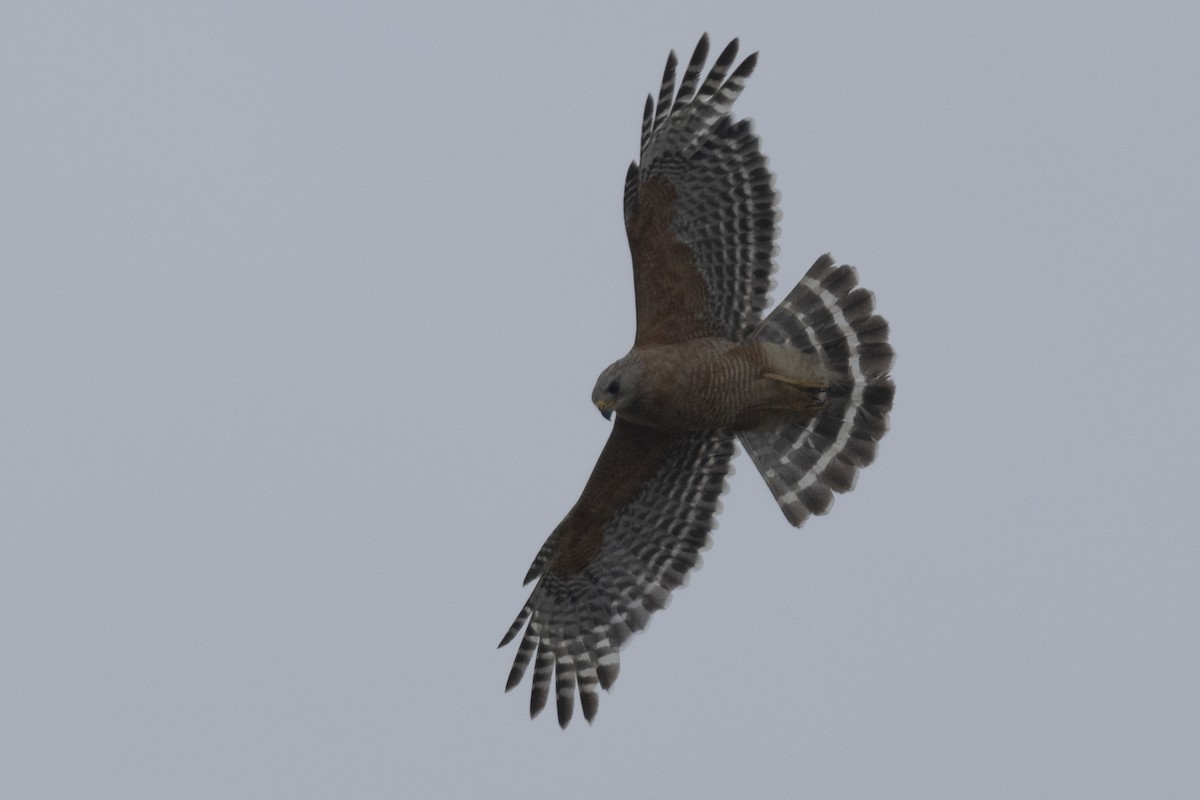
x=806 y=390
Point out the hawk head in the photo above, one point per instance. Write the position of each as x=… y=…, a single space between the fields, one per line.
x=618 y=387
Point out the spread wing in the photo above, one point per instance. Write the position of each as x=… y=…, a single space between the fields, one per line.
x=632 y=537
x=700 y=209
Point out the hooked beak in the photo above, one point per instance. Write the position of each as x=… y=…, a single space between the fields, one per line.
x=605 y=409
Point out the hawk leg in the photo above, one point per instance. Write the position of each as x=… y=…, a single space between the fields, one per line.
x=799 y=384
x=796 y=395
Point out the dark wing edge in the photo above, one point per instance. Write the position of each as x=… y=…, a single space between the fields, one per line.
x=707 y=173
x=576 y=620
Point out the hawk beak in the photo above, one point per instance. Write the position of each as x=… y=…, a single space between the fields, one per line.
x=607 y=414
x=605 y=408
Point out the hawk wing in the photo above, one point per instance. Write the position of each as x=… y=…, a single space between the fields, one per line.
x=700 y=213
x=701 y=209
x=632 y=537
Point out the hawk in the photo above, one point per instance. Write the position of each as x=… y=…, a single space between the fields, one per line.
x=806 y=390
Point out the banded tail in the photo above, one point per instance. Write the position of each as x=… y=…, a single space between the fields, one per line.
x=830 y=317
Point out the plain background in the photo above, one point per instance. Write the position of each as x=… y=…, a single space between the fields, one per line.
x=300 y=310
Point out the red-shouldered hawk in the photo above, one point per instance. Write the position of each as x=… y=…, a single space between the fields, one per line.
x=806 y=390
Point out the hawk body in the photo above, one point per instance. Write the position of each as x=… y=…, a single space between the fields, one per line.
x=709 y=383
x=806 y=390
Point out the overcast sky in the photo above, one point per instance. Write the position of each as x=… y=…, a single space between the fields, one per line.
x=300 y=311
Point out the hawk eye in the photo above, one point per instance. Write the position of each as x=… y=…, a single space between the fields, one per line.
x=614 y=386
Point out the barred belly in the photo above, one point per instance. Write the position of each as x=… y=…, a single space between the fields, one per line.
x=701 y=384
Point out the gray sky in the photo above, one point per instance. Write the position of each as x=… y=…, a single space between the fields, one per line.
x=302 y=306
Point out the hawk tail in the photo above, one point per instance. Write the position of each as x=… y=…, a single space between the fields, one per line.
x=830 y=317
